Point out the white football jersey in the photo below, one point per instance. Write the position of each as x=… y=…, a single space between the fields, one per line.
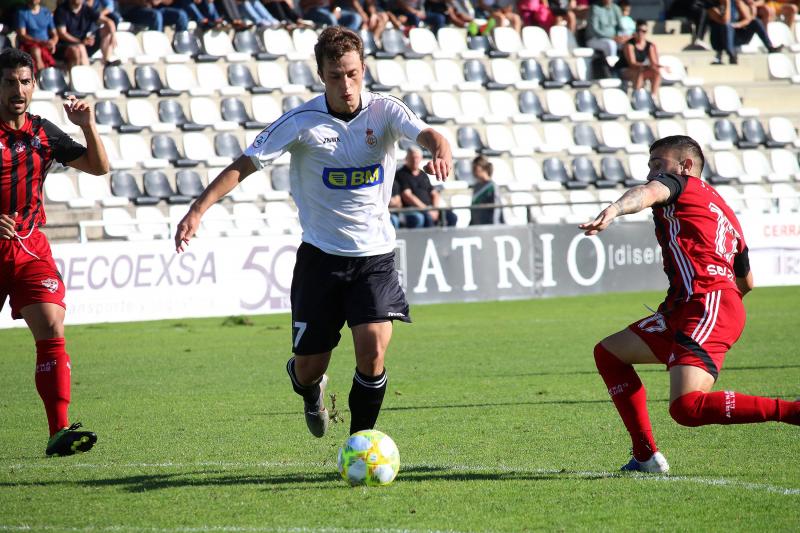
x=341 y=173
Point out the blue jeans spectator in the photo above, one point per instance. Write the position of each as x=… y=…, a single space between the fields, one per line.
x=432 y=19
x=320 y=15
x=155 y=17
x=254 y=10
x=418 y=219
x=205 y=10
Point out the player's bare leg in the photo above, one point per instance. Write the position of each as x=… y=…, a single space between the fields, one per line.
x=369 y=381
x=307 y=373
x=693 y=404
x=53 y=372
x=615 y=357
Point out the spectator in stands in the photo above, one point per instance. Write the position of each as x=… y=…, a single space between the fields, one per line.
x=417 y=191
x=501 y=12
x=548 y=13
x=412 y=13
x=483 y=193
x=638 y=61
x=448 y=9
x=284 y=12
x=696 y=12
x=325 y=13
x=36 y=33
x=154 y=14
x=106 y=8
x=769 y=11
x=204 y=12
x=733 y=22
x=374 y=18
x=626 y=23
x=256 y=12
x=603 y=31
x=81 y=32
x=234 y=12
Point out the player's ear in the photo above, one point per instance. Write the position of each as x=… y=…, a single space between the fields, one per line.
x=688 y=163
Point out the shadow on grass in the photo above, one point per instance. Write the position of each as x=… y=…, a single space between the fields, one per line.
x=306 y=480
x=639 y=368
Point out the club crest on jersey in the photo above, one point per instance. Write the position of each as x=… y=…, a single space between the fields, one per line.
x=50 y=284
x=371 y=139
x=353 y=178
x=36 y=143
x=19 y=147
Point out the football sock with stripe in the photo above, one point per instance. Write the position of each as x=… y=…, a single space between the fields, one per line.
x=729 y=407
x=366 y=397
x=310 y=393
x=630 y=399
x=53 y=381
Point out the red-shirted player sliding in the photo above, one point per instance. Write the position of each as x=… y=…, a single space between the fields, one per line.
x=28 y=274
x=705 y=259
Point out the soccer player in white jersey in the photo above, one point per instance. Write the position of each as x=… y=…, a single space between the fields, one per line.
x=342 y=167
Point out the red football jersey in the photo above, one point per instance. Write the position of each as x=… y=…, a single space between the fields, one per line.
x=700 y=237
x=25 y=156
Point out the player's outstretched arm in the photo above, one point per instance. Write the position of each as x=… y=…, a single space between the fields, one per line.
x=94 y=160
x=441 y=156
x=634 y=200
x=222 y=185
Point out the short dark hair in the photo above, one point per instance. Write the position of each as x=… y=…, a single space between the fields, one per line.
x=640 y=23
x=336 y=41
x=684 y=144
x=624 y=3
x=484 y=164
x=14 y=58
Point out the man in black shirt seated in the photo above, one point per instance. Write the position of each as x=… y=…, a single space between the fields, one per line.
x=416 y=191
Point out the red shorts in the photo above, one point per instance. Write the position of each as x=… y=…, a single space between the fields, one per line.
x=695 y=333
x=29 y=276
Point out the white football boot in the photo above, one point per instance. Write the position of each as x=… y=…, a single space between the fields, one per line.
x=316 y=414
x=657 y=464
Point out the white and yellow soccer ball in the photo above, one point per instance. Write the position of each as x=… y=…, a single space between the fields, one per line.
x=369 y=457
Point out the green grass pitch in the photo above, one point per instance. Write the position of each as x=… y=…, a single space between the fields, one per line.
x=501 y=419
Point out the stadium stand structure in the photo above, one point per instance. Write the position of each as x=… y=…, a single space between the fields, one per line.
x=563 y=142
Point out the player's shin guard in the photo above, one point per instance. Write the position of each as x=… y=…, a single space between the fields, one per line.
x=729 y=407
x=630 y=399
x=53 y=381
x=366 y=397
x=310 y=393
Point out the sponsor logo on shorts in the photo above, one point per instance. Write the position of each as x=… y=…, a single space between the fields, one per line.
x=653 y=324
x=353 y=178
x=51 y=284
x=671 y=359
x=395 y=314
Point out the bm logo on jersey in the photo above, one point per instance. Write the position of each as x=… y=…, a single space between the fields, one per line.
x=353 y=178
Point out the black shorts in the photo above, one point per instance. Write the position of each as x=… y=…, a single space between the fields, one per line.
x=329 y=290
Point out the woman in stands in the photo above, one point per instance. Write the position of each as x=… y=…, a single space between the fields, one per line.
x=638 y=61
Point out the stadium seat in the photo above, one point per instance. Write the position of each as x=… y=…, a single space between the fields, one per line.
x=157 y=184
x=198 y=147
x=517 y=211
x=673 y=102
x=450 y=76
x=507 y=73
x=116 y=79
x=564 y=44
x=218 y=222
x=96 y=189
x=304 y=40
x=54 y=112
x=300 y=74
x=616 y=104
x=215 y=80
x=135 y=148
x=500 y=139
x=474 y=108
x=290 y=102
x=502 y=108
x=116 y=161
x=698 y=102
x=617 y=137
x=555 y=171
x=506 y=40
x=788 y=198
x=785 y=165
x=282 y=218
x=528 y=175
x=527 y=140
x=278 y=43
x=246 y=41
x=204 y=111
x=227 y=145
x=638 y=165
x=558 y=137
x=156 y=45
x=446 y=106
x=727 y=101
x=586 y=103
x=148 y=80
x=725 y=131
x=535 y=42
x=279 y=178
x=583 y=134
x=641 y=133
x=423 y=42
x=419 y=75
x=171 y=112
x=248 y=218
x=187 y=43
x=415 y=102
x=59 y=188
x=233 y=110
x=217 y=43
x=560 y=105
x=560 y=74
x=393 y=44
x=124 y=184
x=108 y=114
x=239 y=75
x=52 y=80
x=782 y=132
x=85 y=80
x=118 y=223
x=674 y=71
x=151 y=222
x=531 y=72
x=704 y=135
x=455 y=40
x=757 y=199
x=756 y=165
x=480 y=43
x=553 y=208
x=181 y=78
x=164 y=147
x=462 y=170
x=272 y=76
x=475 y=72
x=583 y=173
x=728 y=168
x=583 y=206
x=753 y=134
x=189 y=183
x=732 y=197
x=469 y=139
x=529 y=106
x=128 y=49
x=266 y=109
x=781 y=67
x=668 y=127
x=642 y=100
x=612 y=173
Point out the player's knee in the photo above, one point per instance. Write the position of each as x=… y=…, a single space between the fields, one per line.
x=686 y=409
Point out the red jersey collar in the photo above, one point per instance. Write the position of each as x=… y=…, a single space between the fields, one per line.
x=27 y=126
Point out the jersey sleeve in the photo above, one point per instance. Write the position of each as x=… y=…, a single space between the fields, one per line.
x=403 y=121
x=741 y=263
x=64 y=147
x=271 y=143
x=672 y=182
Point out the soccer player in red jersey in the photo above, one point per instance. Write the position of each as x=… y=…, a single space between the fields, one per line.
x=28 y=274
x=706 y=261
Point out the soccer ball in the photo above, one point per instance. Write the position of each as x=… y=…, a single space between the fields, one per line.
x=369 y=457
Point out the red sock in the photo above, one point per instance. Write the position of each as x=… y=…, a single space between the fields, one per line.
x=52 y=381
x=729 y=407
x=630 y=399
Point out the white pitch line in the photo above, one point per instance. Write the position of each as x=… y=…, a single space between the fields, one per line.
x=219 y=529
x=567 y=474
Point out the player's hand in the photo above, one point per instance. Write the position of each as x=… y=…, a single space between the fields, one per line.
x=8 y=227
x=440 y=164
x=186 y=230
x=78 y=112
x=601 y=222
